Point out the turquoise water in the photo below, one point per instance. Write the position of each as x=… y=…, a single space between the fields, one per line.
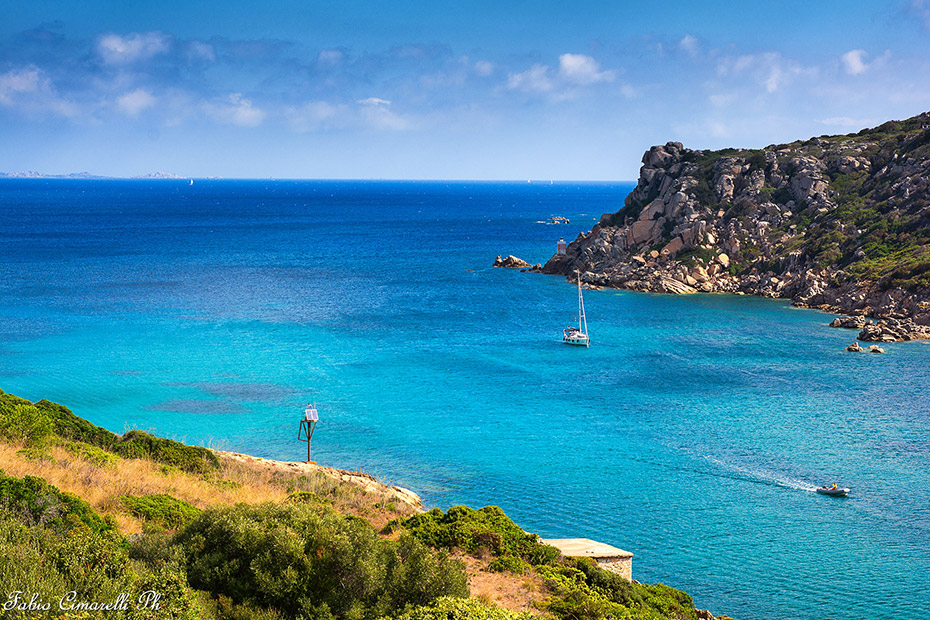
x=692 y=432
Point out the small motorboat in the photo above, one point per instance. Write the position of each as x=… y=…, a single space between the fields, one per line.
x=833 y=491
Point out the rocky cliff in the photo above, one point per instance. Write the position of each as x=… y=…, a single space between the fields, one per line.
x=840 y=223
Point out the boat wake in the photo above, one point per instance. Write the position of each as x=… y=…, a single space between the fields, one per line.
x=760 y=475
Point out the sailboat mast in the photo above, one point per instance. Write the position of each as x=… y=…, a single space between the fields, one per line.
x=582 y=320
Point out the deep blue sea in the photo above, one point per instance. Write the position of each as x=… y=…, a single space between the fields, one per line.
x=692 y=432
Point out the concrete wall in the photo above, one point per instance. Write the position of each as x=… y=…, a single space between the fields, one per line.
x=623 y=566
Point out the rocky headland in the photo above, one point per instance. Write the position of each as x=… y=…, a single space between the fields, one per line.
x=838 y=223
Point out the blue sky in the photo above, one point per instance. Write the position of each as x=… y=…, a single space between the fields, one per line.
x=432 y=90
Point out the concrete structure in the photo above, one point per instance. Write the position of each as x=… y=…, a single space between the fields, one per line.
x=607 y=557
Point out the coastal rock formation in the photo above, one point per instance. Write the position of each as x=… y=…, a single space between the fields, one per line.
x=511 y=262
x=839 y=223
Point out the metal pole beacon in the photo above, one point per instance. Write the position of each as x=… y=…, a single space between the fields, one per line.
x=307 y=424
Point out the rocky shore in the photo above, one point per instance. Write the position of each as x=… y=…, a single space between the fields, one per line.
x=360 y=479
x=838 y=223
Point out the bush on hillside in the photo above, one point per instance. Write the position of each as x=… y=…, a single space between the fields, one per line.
x=307 y=559
x=133 y=445
x=161 y=509
x=23 y=422
x=35 y=502
x=488 y=529
x=69 y=426
x=141 y=445
x=51 y=563
x=91 y=454
x=461 y=609
x=582 y=590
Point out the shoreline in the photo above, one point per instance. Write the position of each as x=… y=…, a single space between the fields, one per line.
x=366 y=482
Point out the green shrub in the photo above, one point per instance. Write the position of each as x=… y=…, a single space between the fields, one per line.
x=508 y=564
x=69 y=426
x=461 y=609
x=487 y=529
x=307 y=559
x=91 y=454
x=21 y=421
x=226 y=609
x=36 y=502
x=581 y=589
x=133 y=445
x=162 y=509
x=178 y=601
x=141 y=445
x=51 y=563
x=35 y=454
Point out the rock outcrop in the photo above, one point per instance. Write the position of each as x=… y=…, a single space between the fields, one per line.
x=511 y=262
x=839 y=223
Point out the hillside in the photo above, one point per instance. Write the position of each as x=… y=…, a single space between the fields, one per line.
x=220 y=536
x=840 y=223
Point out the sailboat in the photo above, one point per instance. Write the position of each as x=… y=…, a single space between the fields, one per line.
x=578 y=336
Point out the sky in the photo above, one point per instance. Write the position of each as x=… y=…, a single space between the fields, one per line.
x=409 y=89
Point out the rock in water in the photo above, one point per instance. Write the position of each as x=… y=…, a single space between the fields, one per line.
x=511 y=262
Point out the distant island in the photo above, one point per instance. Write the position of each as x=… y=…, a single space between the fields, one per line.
x=839 y=223
x=29 y=174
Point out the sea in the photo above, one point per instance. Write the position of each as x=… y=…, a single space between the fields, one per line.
x=691 y=433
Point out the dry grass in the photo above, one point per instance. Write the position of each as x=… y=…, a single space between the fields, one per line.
x=238 y=481
x=507 y=590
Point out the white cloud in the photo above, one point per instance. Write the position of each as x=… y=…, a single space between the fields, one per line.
x=115 y=49
x=30 y=90
x=198 y=50
x=921 y=10
x=22 y=81
x=315 y=115
x=373 y=101
x=371 y=113
x=235 y=110
x=330 y=58
x=854 y=62
x=376 y=113
x=575 y=70
x=581 y=69
x=535 y=79
x=721 y=100
x=689 y=43
x=131 y=104
x=484 y=68
x=770 y=70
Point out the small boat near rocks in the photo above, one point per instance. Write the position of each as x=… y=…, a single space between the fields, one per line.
x=578 y=336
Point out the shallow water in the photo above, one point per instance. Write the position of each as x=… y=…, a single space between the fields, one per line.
x=692 y=432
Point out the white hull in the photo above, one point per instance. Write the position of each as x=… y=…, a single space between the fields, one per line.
x=578 y=337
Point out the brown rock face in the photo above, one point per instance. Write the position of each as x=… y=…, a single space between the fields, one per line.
x=778 y=222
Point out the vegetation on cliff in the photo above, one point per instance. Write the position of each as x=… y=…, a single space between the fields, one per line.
x=840 y=222
x=221 y=539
